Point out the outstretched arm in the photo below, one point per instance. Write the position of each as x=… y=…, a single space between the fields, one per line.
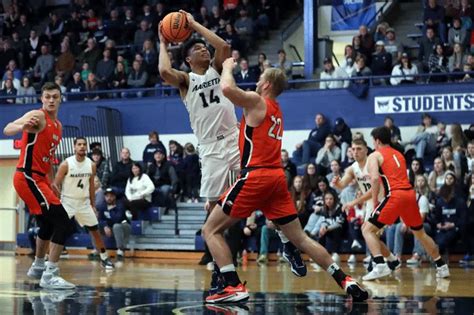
x=58 y=180
x=33 y=120
x=341 y=183
x=221 y=46
x=246 y=99
x=176 y=78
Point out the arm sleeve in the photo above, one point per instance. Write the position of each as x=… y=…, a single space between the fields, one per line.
x=149 y=186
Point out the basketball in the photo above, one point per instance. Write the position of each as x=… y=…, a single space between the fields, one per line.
x=175 y=27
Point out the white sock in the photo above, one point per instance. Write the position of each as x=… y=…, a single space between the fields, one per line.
x=227 y=268
x=283 y=238
x=39 y=261
x=51 y=266
x=104 y=256
x=332 y=268
x=391 y=257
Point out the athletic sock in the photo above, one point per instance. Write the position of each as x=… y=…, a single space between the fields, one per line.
x=39 y=262
x=216 y=269
x=104 y=256
x=230 y=275
x=379 y=259
x=336 y=272
x=439 y=262
x=391 y=257
x=283 y=237
x=50 y=266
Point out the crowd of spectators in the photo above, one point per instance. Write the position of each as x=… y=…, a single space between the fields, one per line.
x=445 y=47
x=91 y=46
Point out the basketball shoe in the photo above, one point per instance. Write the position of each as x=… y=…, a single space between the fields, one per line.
x=293 y=256
x=378 y=271
x=35 y=271
x=230 y=294
x=358 y=293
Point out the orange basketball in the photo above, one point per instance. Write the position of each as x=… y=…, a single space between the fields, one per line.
x=175 y=27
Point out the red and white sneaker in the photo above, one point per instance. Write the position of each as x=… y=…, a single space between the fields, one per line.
x=229 y=294
x=358 y=293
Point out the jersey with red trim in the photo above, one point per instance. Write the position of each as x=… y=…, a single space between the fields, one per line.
x=393 y=170
x=261 y=146
x=37 y=149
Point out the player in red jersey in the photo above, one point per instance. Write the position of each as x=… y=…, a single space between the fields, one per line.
x=261 y=185
x=388 y=166
x=41 y=136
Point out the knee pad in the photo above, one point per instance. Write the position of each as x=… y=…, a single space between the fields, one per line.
x=45 y=228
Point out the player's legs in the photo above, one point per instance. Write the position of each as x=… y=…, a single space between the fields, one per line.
x=442 y=270
x=291 y=227
x=100 y=246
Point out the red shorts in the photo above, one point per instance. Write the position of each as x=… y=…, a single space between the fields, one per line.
x=262 y=189
x=400 y=203
x=35 y=190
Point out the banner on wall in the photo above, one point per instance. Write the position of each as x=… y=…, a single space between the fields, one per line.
x=423 y=103
x=350 y=14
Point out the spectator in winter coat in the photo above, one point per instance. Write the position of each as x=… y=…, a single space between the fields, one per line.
x=343 y=136
x=165 y=180
x=192 y=173
x=121 y=172
x=333 y=73
x=151 y=147
x=381 y=62
x=307 y=150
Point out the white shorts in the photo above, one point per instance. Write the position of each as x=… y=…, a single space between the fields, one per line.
x=81 y=210
x=218 y=158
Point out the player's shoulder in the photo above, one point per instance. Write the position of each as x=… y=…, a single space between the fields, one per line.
x=36 y=112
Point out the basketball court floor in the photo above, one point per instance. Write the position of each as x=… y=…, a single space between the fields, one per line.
x=147 y=286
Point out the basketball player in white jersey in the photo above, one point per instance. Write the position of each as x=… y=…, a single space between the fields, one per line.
x=75 y=181
x=211 y=114
x=358 y=171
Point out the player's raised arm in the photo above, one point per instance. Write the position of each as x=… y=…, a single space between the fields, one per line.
x=222 y=47
x=33 y=121
x=245 y=99
x=373 y=168
x=176 y=78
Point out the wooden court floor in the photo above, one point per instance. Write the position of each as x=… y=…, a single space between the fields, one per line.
x=146 y=286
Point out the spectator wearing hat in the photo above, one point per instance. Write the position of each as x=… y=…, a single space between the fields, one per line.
x=381 y=62
x=165 y=179
x=393 y=46
x=333 y=73
x=405 y=72
x=343 y=136
x=113 y=221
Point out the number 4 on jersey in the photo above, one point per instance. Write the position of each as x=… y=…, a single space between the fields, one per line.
x=212 y=98
x=80 y=184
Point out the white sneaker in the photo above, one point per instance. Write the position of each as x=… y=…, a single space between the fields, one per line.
x=55 y=282
x=442 y=272
x=414 y=261
x=36 y=272
x=367 y=259
x=352 y=259
x=336 y=258
x=379 y=271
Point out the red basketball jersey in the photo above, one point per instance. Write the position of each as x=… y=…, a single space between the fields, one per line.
x=37 y=149
x=261 y=146
x=393 y=170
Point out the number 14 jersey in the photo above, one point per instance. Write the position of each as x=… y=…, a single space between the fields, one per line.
x=211 y=114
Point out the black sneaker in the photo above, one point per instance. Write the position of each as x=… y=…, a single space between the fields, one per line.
x=394 y=265
x=217 y=282
x=354 y=289
x=293 y=256
x=107 y=264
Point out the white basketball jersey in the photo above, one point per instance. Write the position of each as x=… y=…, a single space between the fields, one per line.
x=76 y=181
x=363 y=180
x=210 y=112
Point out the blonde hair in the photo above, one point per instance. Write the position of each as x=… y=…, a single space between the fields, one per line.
x=277 y=79
x=425 y=190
